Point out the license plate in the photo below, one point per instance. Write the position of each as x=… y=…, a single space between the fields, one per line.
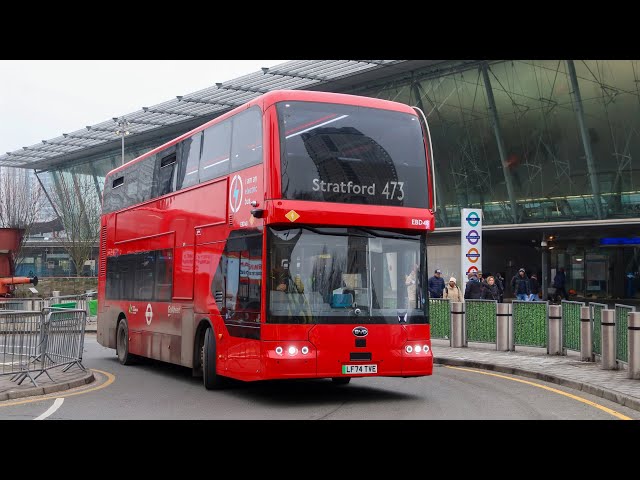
x=355 y=369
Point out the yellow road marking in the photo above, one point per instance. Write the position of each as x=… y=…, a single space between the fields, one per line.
x=554 y=390
x=110 y=379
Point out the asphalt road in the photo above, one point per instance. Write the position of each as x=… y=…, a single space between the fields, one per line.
x=158 y=391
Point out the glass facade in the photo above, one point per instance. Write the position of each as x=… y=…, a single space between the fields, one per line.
x=517 y=139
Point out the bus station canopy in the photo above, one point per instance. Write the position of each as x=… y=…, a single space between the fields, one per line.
x=182 y=113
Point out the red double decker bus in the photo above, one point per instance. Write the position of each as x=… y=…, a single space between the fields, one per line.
x=283 y=239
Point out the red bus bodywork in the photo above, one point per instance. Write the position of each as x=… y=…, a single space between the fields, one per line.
x=192 y=225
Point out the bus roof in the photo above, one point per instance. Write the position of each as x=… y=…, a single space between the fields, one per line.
x=275 y=96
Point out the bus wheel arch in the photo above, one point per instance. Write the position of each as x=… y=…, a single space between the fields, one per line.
x=198 y=343
x=122 y=341
x=208 y=359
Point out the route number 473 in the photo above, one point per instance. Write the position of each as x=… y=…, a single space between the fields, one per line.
x=396 y=191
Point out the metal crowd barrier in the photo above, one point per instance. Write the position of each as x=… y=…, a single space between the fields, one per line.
x=85 y=301
x=21 y=343
x=32 y=304
x=63 y=339
x=32 y=343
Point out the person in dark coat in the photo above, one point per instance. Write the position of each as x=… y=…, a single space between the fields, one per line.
x=436 y=284
x=559 y=283
x=520 y=285
x=500 y=283
x=535 y=287
x=490 y=290
x=473 y=290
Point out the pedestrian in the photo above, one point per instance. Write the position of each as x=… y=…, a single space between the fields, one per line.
x=490 y=290
x=483 y=280
x=452 y=291
x=520 y=285
x=535 y=288
x=436 y=284
x=473 y=290
x=411 y=284
x=559 y=283
x=500 y=283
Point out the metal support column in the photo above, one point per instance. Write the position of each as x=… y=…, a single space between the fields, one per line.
x=608 y=339
x=554 y=346
x=586 y=141
x=495 y=123
x=586 y=338
x=458 y=330
x=47 y=194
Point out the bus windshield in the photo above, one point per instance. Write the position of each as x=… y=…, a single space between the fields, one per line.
x=345 y=275
x=350 y=154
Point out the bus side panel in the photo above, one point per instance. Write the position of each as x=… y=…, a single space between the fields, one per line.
x=188 y=336
x=183 y=273
x=106 y=326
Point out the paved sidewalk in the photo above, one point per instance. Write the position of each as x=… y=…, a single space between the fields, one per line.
x=74 y=377
x=567 y=371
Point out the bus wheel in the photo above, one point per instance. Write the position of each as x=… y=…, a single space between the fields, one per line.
x=212 y=380
x=122 y=344
x=341 y=380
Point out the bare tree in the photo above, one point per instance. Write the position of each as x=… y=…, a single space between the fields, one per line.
x=20 y=201
x=78 y=205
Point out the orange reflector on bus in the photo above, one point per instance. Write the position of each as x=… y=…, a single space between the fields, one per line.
x=292 y=215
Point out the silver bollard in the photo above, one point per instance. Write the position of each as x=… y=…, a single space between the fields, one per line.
x=608 y=339
x=457 y=325
x=633 y=339
x=586 y=339
x=504 y=327
x=555 y=330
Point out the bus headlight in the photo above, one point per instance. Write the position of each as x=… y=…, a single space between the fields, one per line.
x=305 y=350
x=425 y=348
x=292 y=350
x=408 y=349
x=279 y=350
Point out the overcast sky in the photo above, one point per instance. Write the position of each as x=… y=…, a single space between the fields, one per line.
x=41 y=99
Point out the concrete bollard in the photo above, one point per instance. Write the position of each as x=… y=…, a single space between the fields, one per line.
x=586 y=339
x=608 y=339
x=554 y=346
x=633 y=339
x=504 y=327
x=458 y=331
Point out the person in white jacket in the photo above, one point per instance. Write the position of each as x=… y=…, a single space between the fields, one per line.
x=452 y=292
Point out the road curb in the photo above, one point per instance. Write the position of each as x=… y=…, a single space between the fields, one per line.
x=617 y=397
x=88 y=377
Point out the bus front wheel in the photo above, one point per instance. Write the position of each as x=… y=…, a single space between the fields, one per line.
x=211 y=379
x=122 y=344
